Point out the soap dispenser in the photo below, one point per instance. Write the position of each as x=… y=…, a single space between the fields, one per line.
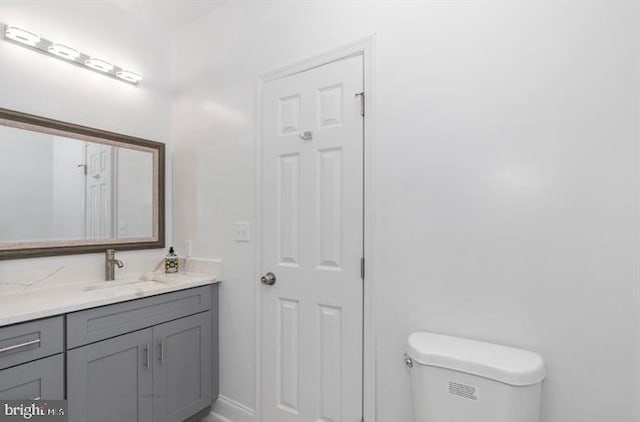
x=171 y=262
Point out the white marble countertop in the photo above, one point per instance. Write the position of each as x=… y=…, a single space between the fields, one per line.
x=38 y=301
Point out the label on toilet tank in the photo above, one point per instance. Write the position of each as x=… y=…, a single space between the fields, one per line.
x=462 y=390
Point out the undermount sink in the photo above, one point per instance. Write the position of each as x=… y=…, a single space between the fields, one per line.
x=153 y=279
x=101 y=285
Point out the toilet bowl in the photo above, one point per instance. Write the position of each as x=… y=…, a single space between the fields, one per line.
x=460 y=380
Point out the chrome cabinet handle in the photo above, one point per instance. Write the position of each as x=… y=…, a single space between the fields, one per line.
x=35 y=398
x=269 y=279
x=147 y=347
x=19 y=346
x=161 y=351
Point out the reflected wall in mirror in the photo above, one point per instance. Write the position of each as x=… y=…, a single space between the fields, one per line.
x=73 y=189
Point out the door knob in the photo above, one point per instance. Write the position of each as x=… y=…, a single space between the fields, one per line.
x=269 y=279
x=306 y=135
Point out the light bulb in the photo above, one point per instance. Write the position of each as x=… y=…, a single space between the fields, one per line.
x=129 y=76
x=63 y=51
x=99 y=64
x=22 y=35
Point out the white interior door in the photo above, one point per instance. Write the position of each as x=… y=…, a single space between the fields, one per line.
x=99 y=198
x=312 y=242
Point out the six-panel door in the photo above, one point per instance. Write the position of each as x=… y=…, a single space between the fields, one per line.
x=312 y=231
x=182 y=367
x=112 y=380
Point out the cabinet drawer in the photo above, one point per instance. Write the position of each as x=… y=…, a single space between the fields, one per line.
x=29 y=341
x=41 y=379
x=96 y=324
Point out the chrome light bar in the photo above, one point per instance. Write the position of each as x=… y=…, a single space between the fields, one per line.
x=33 y=41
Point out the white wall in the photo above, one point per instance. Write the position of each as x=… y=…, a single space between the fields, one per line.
x=508 y=179
x=35 y=83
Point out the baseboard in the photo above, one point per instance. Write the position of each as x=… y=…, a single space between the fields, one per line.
x=198 y=416
x=228 y=410
x=214 y=417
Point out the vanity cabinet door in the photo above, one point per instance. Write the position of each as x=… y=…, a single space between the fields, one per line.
x=112 y=380
x=182 y=367
x=40 y=379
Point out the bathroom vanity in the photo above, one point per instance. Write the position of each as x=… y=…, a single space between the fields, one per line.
x=138 y=350
x=134 y=350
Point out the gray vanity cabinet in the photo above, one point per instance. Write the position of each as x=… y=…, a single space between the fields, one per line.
x=182 y=368
x=112 y=380
x=165 y=372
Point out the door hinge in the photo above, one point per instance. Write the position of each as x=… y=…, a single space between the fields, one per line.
x=361 y=95
x=362 y=268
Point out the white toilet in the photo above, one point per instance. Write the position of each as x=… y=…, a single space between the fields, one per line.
x=459 y=380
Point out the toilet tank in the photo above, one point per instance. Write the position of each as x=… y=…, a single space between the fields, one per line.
x=460 y=380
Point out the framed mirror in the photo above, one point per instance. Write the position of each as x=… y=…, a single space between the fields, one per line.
x=70 y=189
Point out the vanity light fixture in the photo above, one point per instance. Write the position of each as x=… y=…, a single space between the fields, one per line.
x=63 y=51
x=35 y=42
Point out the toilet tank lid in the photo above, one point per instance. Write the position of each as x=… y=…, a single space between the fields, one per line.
x=505 y=364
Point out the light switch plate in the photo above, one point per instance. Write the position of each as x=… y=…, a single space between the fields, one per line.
x=243 y=231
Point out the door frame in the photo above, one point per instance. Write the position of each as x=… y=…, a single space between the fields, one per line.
x=367 y=48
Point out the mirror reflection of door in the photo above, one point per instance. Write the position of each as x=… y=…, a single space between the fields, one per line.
x=99 y=195
x=70 y=189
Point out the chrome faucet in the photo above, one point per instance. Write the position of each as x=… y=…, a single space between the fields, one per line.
x=110 y=263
